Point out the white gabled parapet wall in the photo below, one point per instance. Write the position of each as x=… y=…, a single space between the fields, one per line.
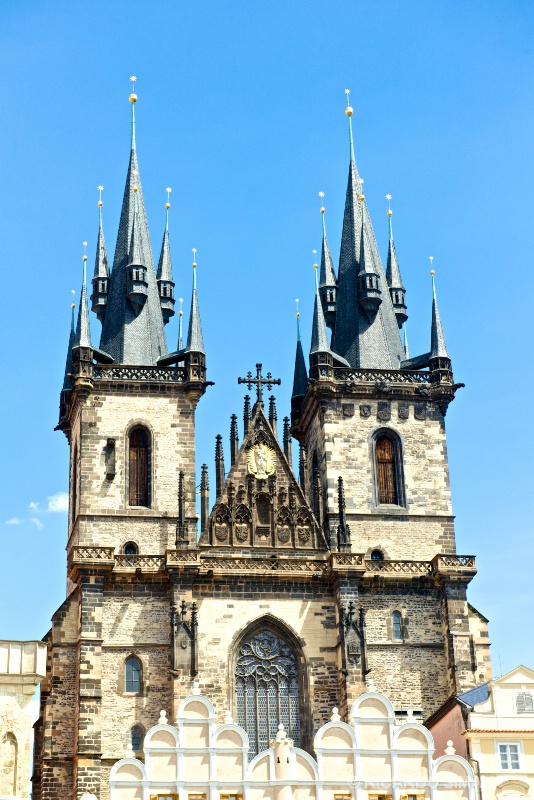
x=372 y=756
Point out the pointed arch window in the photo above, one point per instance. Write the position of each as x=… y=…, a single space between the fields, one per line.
x=139 y=467
x=133 y=673
x=267 y=689
x=137 y=738
x=388 y=469
x=397 y=626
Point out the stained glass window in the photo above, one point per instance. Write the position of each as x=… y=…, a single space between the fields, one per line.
x=267 y=690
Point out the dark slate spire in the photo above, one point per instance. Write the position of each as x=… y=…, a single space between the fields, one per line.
x=364 y=343
x=438 y=348
x=319 y=342
x=247 y=415
x=234 y=439
x=393 y=277
x=67 y=384
x=327 y=278
x=273 y=418
x=133 y=334
x=136 y=273
x=100 y=279
x=369 y=292
x=83 y=329
x=406 y=348
x=195 y=342
x=300 y=377
x=164 y=274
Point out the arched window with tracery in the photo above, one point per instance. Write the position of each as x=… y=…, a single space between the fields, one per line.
x=139 y=467
x=267 y=689
x=388 y=469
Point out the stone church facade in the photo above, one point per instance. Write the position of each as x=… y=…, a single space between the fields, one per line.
x=297 y=590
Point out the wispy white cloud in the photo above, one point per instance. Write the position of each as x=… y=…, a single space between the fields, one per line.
x=33 y=506
x=37 y=522
x=58 y=503
x=14 y=521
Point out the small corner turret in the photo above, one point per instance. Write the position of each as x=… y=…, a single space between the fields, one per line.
x=164 y=274
x=100 y=281
x=327 y=278
x=369 y=292
x=393 y=277
x=136 y=271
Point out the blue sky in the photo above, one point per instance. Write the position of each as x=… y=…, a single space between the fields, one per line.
x=241 y=112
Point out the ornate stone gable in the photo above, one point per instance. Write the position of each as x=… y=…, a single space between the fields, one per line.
x=261 y=504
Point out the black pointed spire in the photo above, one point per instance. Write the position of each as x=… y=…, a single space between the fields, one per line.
x=195 y=342
x=272 y=415
x=369 y=292
x=67 y=384
x=393 y=277
x=83 y=328
x=364 y=343
x=133 y=332
x=234 y=439
x=164 y=274
x=327 y=277
x=247 y=415
x=100 y=279
x=219 y=465
x=438 y=348
x=300 y=376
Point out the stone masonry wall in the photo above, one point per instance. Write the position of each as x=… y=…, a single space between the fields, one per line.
x=170 y=419
x=343 y=440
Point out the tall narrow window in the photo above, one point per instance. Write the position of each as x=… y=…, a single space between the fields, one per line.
x=267 y=691
x=139 y=471
x=132 y=681
x=386 y=471
x=397 y=625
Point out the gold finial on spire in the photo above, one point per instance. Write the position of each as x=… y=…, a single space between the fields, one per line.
x=168 y=203
x=194 y=257
x=315 y=264
x=135 y=188
x=181 y=313
x=84 y=257
x=322 y=209
x=298 y=312
x=389 y=198
x=73 y=304
x=133 y=96
x=432 y=272
x=349 y=109
x=100 y=190
x=361 y=182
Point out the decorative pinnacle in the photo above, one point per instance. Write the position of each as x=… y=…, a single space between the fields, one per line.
x=100 y=190
x=181 y=313
x=361 y=182
x=316 y=267
x=194 y=257
x=298 y=319
x=390 y=212
x=73 y=304
x=168 y=203
x=349 y=112
x=432 y=265
x=133 y=96
x=322 y=209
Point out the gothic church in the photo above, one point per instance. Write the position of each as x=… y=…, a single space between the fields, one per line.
x=295 y=593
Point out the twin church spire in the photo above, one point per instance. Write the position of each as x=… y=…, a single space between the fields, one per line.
x=363 y=305
x=132 y=300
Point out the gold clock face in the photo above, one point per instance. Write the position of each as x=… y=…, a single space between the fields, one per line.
x=261 y=461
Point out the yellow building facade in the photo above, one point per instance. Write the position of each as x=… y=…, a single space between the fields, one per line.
x=501 y=736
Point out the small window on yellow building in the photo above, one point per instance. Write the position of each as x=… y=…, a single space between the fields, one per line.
x=197 y=797
x=231 y=797
x=379 y=797
x=342 y=797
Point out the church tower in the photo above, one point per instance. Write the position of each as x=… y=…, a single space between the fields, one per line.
x=289 y=596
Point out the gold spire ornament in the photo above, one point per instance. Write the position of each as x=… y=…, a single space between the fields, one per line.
x=349 y=110
x=322 y=209
x=389 y=198
x=168 y=203
x=194 y=257
x=73 y=304
x=432 y=272
x=297 y=304
x=84 y=257
x=133 y=96
x=100 y=190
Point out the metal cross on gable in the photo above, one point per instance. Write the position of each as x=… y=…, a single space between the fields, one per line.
x=259 y=382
